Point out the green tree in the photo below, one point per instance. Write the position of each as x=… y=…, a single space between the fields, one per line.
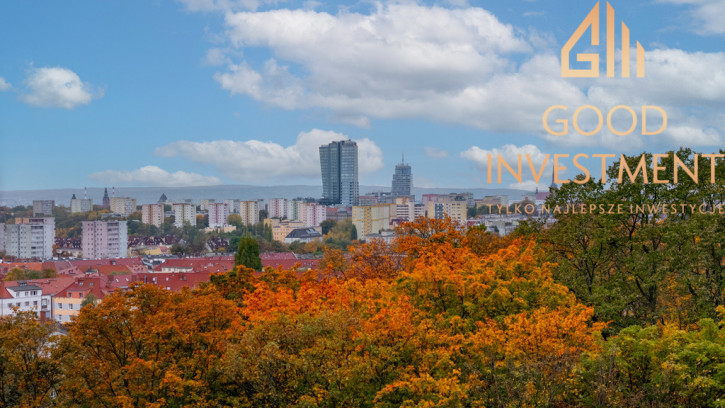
x=248 y=254
x=327 y=225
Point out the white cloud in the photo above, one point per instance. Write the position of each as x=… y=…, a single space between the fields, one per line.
x=254 y=160
x=510 y=153
x=154 y=176
x=57 y=87
x=408 y=60
x=708 y=15
x=4 y=85
x=435 y=153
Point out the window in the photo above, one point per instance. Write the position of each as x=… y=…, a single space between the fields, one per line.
x=35 y=303
x=27 y=303
x=60 y=305
x=70 y=306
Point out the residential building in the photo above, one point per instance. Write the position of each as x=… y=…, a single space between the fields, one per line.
x=280 y=229
x=312 y=214
x=218 y=214
x=124 y=206
x=277 y=208
x=339 y=167
x=338 y=213
x=152 y=214
x=104 y=239
x=80 y=205
x=68 y=302
x=233 y=206
x=456 y=209
x=407 y=209
x=204 y=204
x=43 y=207
x=371 y=219
x=402 y=180
x=184 y=212
x=292 y=211
x=303 y=235
x=24 y=296
x=2 y=236
x=30 y=238
x=249 y=211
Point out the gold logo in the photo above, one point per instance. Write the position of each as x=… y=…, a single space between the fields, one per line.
x=592 y=22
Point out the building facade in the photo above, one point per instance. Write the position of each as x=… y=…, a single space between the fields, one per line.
x=249 y=211
x=124 y=206
x=204 y=203
x=233 y=206
x=456 y=209
x=152 y=214
x=371 y=219
x=80 y=205
x=218 y=214
x=184 y=212
x=104 y=239
x=339 y=167
x=277 y=208
x=43 y=207
x=402 y=180
x=30 y=238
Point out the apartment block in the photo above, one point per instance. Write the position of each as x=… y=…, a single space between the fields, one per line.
x=204 y=204
x=184 y=212
x=218 y=214
x=80 y=205
x=124 y=206
x=456 y=209
x=371 y=219
x=277 y=208
x=152 y=214
x=30 y=238
x=249 y=211
x=43 y=207
x=104 y=239
x=233 y=206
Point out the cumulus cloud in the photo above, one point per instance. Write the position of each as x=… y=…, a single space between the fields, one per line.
x=461 y=66
x=509 y=153
x=4 y=85
x=56 y=87
x=707 y=15
x=254 y=160
x=435 y=153
x=155 y=177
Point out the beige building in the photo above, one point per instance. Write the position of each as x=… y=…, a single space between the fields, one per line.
x=371 y=219
x=249 y=211
x=123 y=205
x=444 y=206
x=152 y=214
x=280 y=229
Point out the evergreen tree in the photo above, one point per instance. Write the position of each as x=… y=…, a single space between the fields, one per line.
x=248 y=254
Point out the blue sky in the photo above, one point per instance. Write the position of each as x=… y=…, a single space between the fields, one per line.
x=198 y=92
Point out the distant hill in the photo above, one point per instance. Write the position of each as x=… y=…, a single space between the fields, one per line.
x=146 y=195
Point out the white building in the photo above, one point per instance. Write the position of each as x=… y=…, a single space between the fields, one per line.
x=152 y=214
x=233 y=206
x=218 y=214
x=25 y=297
x=184 y=212
x=371 y=219
x=80 y=205
x=292 y=210
x=249 y=211
x=43 y=207
x=104 y=239
x=277 y=208
x=30 y=238
x=123 y=205
x=204 y=204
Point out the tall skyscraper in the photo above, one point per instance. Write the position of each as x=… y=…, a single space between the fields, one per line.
x=402 y=180
x=338 y=162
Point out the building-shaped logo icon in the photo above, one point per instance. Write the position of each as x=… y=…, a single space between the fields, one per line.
x=592 y=22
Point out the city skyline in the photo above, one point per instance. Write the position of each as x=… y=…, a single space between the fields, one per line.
x=242 y=96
